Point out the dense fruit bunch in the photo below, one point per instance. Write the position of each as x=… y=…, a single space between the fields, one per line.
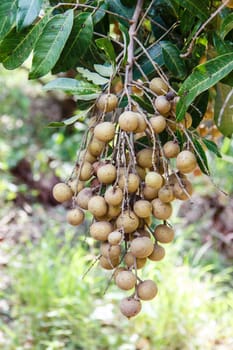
x=127 y=175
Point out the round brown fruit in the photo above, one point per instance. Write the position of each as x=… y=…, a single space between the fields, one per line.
x=158 y=86
x=105 y=131
x=83 y=197
x=186 y=162
x=113 y=211
x=106 y=173
x=147 y=290
x=108 y=264
x=144 y=158
x=76 y=185
x=142 y=208
x=160 y=210
x=141 y=247
x=62 y=192
x=162 y=105
x=86 y=171
x=107 y=102
x=100 y=230
x=166 y=194
x=86 y=156
x=164 y=234
x=131 y=182
x=141 y=172
x=114 y=237
x=128 y=121
x=109 y=251
x=96 y=147
x=154 y=180
x=158 y=124
x=97 y=206
x=158 y=253
x=75 y=216
x=127 y=221
x=171 y=149
x=187 y=121
x=130 y=307
x=125 y=280
x=141 y=123
x=183 y=192
x=129 y=260
x=113 y=196
x=149 y=193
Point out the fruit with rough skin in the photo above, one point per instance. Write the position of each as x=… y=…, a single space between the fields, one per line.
x=110 y=251
x=75 y=216
x=113 y=211
x=76 y=185
x=105 y=131
x=141 y=123
x=85 y=172
x=147 y=290
x=162 y=105
x=106 y=174
x=131 y=181
x=149 y=193
x=186 y=162
x=171 y=149
x=83 y=197
x=158 y=86
x=144 y=158
x=154 y=180
x=115 y=237
x=158 y=124
x=160 y=210
x=128 y=221
x=164 y=234
x=108 y=264
x=142 y=208
x=62 y=192
x=166 y=194
x=158 y=253
x=128 y=121
x=129 y=260
x=130 y=307
x=141 y=247
x=113 y=196
x=97 y=206
x=184 y=190
x=125 y=280
x=107 y=102
x=96 y=147
x=100 y=230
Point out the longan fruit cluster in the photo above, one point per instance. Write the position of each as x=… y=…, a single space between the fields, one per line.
x=127 y=177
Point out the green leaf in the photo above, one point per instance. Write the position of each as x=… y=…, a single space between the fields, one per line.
x=145 y=105
x=91 y=76
x=201 y=157
x=77 y=43
x=172 y=60
x=155 y=53
x=212 y=147
x=105 y=71
x=56 y=124
x=100 y=13
x=117 y=7
x=16 y=47
x=226 y=25
x=80 y=116
x=223 y=109
x=125 y=35
x=220 y=45
x=198 y=108
x=196 y=8
x=28 y=11
x=106 y=45
x=203 y=77
x=8 y=10
x=81 y=89
x=50 y=44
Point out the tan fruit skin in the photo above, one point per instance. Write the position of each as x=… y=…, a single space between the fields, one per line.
x=158 y=86
x=75 y=217
x=128 y=121
x=107 y=103
x=164 y=234
x=100 y=230
x=62 y=192
x=186 y=162
x=130 y=307
x=104 y=131
x=157 y=254
x=160 y=210
x=147 y=290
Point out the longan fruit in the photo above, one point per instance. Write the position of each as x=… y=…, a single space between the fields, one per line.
x=105 y=131
x=86 y=156
x=187 y=121
x=158 y=253
x=141 y=123
x=83 y=197
x=125 y=280
x=117 y=270
x=143 y=233
x=132 y=182
x=96 y=147
x=171 y=149
x=166 y=194
x=158 y=124
x=142 y=208
x=164 y=234
x=144 y=158
x=141 y=247
x=107 y=102
x=76 y=185
x=114 y=237
x=109 y=251
x=160 y=210
x=186 y=162
x=109 y=264
x=106 y=174
x=97 y=206
x=130 y=258
x=149 y=193
x=183 y=192
x=62 y=192
x=86 y=171
x=128 y=221
x=158 y=86
x=75 y=216
x=141 y=172
x=154 y=180
x=147 y=290
x=100 y=230
x=113 y=196
x=128 y=121
x=113 y=211
x=130 y=307
x=162 y=105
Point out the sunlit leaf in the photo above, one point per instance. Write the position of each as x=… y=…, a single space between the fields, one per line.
x=28 y=11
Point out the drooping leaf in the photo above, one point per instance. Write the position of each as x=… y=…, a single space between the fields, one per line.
x=223 y=109
x=51 y=43
x=201 y=157
x=156 y=56
x=226 y=25
x=80 y=116
x=92 y=76
x=28 y=11
x=105 y=71
x=77 y=43
x=125 y=36
x=8 y=10
x=172 y=60
x=17 y=46
x=106 y=45
x=83 y=90
x=220 y=45
x=196 y=8
x=203 y=77
x=198 y=108
x=212 y=147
